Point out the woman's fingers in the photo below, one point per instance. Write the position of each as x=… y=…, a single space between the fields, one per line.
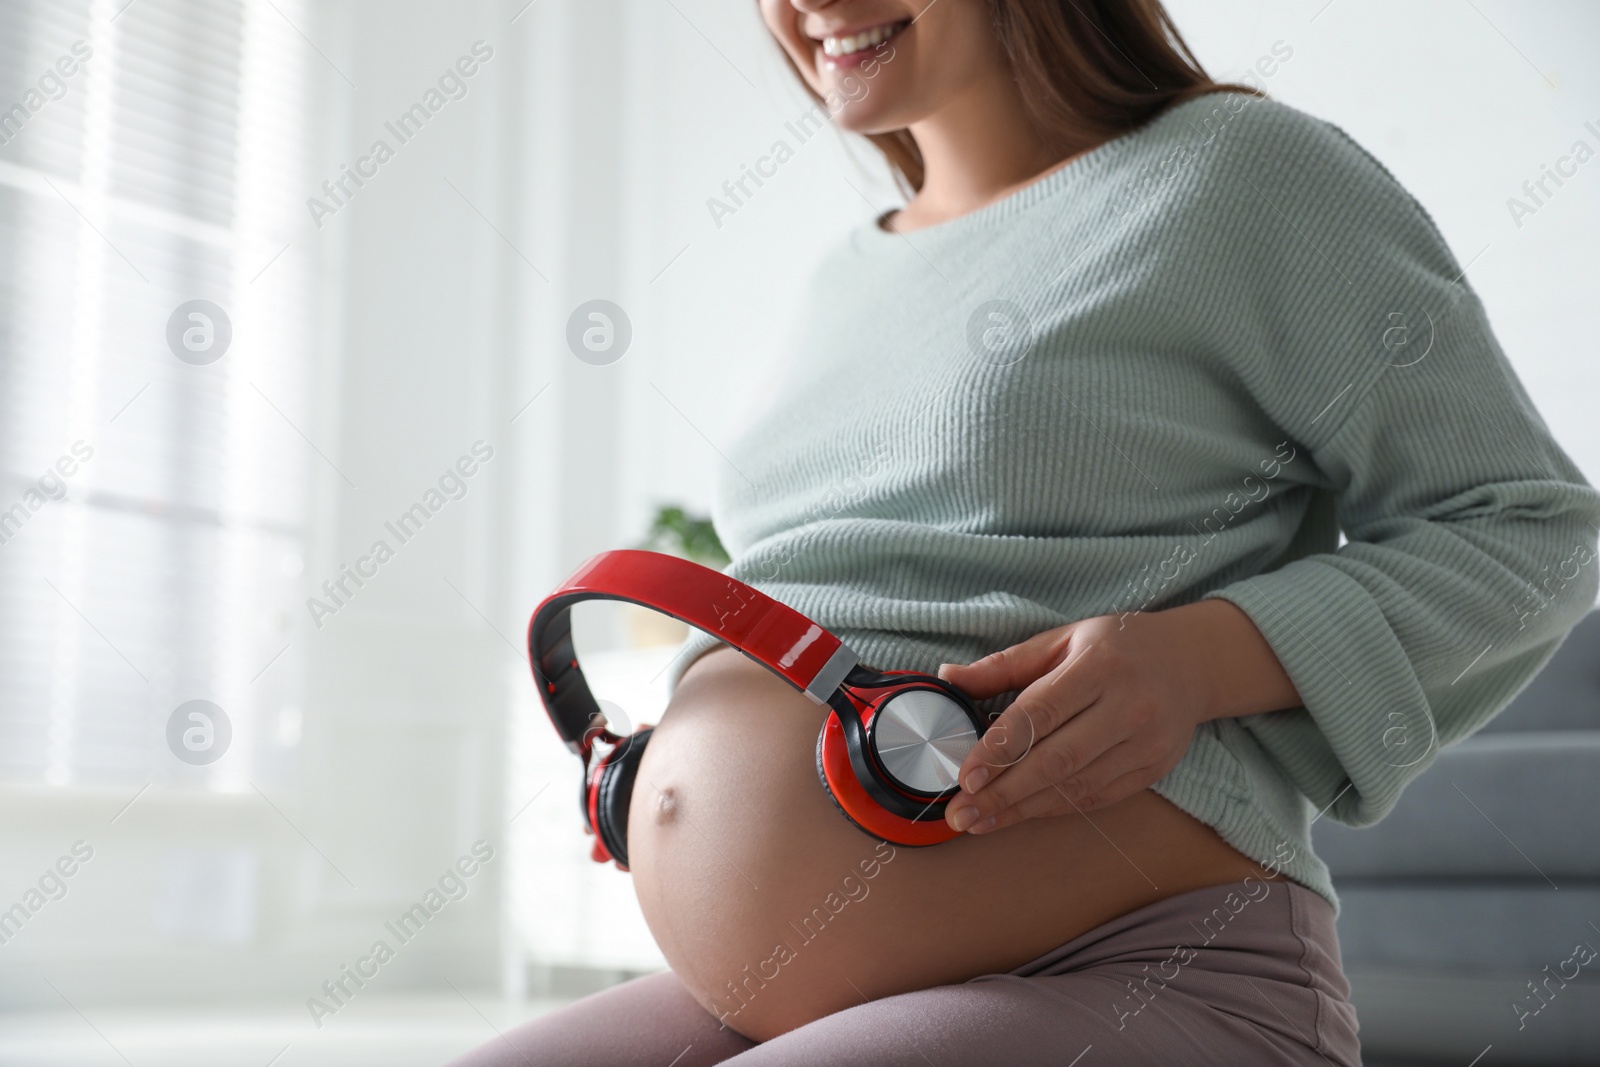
x=1059 y=757
x=1116 y=775
x=1120 y=789
x=1044 y=704
x=1010 y=668
x=1105 y=780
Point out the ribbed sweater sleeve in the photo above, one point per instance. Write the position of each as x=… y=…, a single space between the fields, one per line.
x=1470 y=533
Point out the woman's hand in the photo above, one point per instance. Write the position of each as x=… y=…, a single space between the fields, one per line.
x=1107 y=706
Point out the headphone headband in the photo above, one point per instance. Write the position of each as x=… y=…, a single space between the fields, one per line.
x=773 y=634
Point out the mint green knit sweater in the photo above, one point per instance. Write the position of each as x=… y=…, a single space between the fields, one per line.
x=1178 y=368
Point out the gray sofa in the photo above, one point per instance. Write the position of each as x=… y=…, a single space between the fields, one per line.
x=1486 y=877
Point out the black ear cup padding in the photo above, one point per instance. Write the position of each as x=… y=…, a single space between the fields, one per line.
x=822 y=776
x=616 y=793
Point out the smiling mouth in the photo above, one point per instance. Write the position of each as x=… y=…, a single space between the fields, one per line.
x=838 y=47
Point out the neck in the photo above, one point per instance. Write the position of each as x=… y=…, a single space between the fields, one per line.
x=977 y=149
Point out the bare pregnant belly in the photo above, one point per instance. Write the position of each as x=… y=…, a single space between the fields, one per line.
x=775 y=911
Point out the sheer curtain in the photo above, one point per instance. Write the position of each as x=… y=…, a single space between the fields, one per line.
x=154 y=506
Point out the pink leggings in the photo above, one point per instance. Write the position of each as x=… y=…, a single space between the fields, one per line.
x=1231 y=975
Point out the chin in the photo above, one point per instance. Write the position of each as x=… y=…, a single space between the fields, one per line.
x=859 y=103
x=867 y=123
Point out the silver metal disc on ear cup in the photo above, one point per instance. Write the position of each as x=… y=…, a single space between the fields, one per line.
x=920 y=737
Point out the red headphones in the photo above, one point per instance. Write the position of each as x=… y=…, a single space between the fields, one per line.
x=887 y=754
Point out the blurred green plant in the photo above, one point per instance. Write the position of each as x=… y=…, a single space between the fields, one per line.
x=682 y=534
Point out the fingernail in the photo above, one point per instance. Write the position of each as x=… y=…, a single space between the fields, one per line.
x=985 y=826
x=975 y=779
x=963 y=818
x=945 y=667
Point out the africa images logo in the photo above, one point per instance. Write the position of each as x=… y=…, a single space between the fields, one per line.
x=199 y=732
x=199 y=332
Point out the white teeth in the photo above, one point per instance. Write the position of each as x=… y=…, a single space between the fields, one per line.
x=857 y=42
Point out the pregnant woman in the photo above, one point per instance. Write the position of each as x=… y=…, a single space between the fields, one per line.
x=1079 y=428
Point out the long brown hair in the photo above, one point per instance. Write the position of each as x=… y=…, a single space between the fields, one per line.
x=1089 y=70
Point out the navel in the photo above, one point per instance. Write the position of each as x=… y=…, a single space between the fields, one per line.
x=666 y=805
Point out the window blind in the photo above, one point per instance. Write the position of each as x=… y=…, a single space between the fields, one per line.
x=153 y=508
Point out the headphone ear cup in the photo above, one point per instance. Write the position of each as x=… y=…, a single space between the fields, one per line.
x=850 y=795
x=822 y=776
x=615 y=794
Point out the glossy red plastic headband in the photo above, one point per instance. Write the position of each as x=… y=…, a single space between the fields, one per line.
x=781 y=639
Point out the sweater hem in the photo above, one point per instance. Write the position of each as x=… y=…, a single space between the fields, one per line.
x=1241 y=818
